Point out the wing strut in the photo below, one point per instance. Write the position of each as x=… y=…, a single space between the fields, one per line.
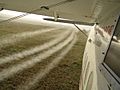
x=80 y=30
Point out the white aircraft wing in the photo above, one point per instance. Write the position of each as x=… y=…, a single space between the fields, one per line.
x=77 y=10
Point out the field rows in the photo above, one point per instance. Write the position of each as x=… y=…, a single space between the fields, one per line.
x=35 y=57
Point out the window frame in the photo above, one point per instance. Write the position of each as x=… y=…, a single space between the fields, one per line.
x=104 y=68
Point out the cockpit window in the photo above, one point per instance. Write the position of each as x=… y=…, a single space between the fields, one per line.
x=113 y=56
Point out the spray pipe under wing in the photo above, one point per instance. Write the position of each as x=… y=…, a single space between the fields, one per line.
x=71 y=22
x=68 y=21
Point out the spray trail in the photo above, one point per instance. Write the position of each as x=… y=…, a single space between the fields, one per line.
x=5 y=73
x=35 y=79
x=5 y=41
x=20 y=55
